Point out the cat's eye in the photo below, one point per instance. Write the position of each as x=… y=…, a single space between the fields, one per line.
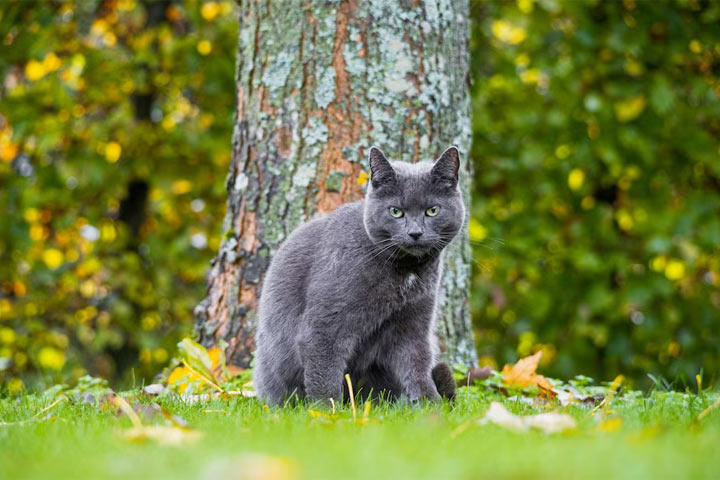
x=396 y=212
x=432 y=211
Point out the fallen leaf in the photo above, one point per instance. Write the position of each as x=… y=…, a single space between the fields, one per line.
x=523 y=375
x=611 y=425
x=550 y=422
x=197 y=358
x=497 y=414
x=155 y=389
x=161 y=434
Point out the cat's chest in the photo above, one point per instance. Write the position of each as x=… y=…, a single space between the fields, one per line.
x=399 y=290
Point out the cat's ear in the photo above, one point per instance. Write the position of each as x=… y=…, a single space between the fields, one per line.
x=381 y=172
x=445 y=171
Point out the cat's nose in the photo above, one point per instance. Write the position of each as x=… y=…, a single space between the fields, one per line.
x=415 y=235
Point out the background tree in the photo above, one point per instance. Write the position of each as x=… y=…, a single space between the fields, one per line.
x=317 y=84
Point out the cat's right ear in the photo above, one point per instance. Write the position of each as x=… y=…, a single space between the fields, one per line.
x=381 y=172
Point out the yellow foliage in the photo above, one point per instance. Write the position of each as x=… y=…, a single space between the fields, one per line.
x=525 y=6
x=7 y=335
x=624 y=219
x=113 y=150
x=88 y=288
x=181 y=377
x=522 y=60
x=204 y=47
x=675 y=270
x=108 y=232
x=8 y=151
x=562 y=151
x=630 y=108
x=530 y=76
x=362 y=178
x=32 y=215
x=34 y=70
x=180 y=187
x=476 y=231
x=508 y=33
x=15 y=386
x=51 y=62
x=576 y=178
x=53 y=258
x=210 y=10
x=51 y=358
x=611 y=425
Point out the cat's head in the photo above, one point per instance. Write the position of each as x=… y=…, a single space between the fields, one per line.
x=416 y=207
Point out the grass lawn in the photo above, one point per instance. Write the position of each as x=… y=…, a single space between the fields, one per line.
x=241 y=439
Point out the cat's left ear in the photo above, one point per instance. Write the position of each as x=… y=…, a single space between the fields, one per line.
x=445 y=171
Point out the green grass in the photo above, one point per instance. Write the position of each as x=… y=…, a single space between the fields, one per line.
x=658 y=439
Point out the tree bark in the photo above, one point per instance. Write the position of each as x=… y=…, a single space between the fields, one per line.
x=317 y=85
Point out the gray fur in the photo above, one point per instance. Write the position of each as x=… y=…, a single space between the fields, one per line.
x=353 y=292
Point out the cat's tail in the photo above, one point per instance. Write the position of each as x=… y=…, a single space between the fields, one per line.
x=444 y=381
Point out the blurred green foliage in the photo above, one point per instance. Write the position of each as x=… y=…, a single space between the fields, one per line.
x=597 y=188
x=115 y=142
x=596 y=211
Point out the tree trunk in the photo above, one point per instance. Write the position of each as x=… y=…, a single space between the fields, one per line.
x=317 y=85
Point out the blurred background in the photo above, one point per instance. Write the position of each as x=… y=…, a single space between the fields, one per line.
x=596 y=202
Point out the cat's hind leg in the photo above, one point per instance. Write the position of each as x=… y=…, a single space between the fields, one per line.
x=444 y=381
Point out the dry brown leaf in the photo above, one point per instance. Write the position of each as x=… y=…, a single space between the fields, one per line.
x=523 y=375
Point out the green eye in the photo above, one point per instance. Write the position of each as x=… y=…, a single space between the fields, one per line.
x=396 y=212
x=432 y=211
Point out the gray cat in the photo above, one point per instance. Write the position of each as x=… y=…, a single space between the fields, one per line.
x=354 y=291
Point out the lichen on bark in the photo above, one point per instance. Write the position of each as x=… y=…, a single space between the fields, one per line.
x=317 y=84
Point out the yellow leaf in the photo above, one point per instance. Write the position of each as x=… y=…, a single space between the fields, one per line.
x=204 y=47
x=34 y=70
x=508 y=33
x=576 y=178
x=8 y=151
x=525 y=6
x=210 y=10
x=362 y=178
x=215 y=354
x=7 y=335
x=52 y=358
x=180 y=377
x=32 y=215
x=112 y=152
x=675 y=270
x=53 y=258
x=476 y=231
x=162 y=434
x=610 y=425
x=630 y=108
x=51 y=62
x=180 y=187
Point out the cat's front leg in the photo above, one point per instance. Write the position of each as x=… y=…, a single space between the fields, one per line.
x=412 y=366
x=323 y=367
x=410 y=353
